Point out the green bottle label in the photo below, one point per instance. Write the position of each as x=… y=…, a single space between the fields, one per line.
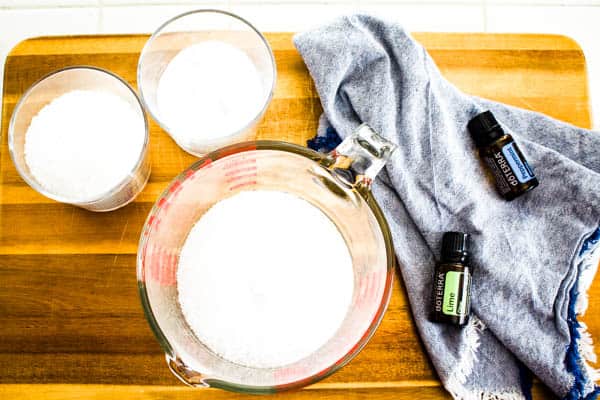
x=455 y=293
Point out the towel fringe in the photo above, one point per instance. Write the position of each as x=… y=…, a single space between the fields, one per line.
x=513 y=395
x=465 y=366
x=464 y=394
x=456 y=381
x=589 y=267
x=581 y=350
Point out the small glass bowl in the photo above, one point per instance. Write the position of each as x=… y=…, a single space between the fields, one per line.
x=192 y=28
x=55 y=85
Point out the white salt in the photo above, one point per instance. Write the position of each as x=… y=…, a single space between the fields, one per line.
x=84 y=143
x=264 y=278
x=207 y=91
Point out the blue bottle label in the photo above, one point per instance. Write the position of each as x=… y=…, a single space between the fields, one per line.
x=517 y=163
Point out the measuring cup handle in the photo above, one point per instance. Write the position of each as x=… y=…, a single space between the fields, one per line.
x=360 y=157
x=185 y=373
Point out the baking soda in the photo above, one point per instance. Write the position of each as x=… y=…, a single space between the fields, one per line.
x=264 y=278
x=84 y=143
x=207 y=91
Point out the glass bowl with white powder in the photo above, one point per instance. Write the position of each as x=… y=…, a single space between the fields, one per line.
x=80 y=136
x=266 y=266
x=207 y=77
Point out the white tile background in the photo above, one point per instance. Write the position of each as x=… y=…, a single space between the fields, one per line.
x=580 y=19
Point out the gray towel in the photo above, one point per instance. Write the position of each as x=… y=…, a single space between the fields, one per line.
x=533 y=258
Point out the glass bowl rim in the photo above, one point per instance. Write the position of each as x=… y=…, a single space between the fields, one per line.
x=315 y=156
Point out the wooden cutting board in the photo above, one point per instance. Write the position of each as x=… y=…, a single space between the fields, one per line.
x=71 y=323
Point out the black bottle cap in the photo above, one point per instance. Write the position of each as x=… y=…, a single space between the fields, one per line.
x=485 y=129
x=454 y=246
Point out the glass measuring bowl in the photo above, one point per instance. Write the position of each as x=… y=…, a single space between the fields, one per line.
x=338 y=184
x=53 y=86
x=192 y=28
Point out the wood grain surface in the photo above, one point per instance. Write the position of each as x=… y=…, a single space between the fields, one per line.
x=71 y=322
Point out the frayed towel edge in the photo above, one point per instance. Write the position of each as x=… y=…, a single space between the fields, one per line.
x=580 y=351
x=456 y=381
x=472 y=334
x=463 y=394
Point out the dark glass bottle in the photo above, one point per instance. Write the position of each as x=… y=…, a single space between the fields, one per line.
x=511 y=171
x=452 y=281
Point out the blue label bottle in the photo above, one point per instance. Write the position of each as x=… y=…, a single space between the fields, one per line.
x=512 y=173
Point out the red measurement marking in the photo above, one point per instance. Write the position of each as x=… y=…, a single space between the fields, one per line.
x=174 y=191
x=205 y=163
x=241 y=170
x=369 y=289
x=162 y=265
x=237 y=178
x=291 y=373
x=163 y=204
x=241 y=184
x=376 y=289
x=362 y=291
x=174 y=186
x=239 y=161
x=144 y=261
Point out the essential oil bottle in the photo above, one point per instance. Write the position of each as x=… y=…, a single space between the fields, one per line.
x=452 y=281
x=511 y=171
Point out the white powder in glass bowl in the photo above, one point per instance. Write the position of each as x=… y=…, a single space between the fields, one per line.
x=264 y=278
x=209 y=90
x=84 y=143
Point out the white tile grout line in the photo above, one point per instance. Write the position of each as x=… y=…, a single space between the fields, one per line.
x=102 y=3
x=47 y=7
x=350 y=2
x=100 y=16
x=485 y=14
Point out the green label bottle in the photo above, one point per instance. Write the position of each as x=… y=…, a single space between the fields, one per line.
x=452 y=281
